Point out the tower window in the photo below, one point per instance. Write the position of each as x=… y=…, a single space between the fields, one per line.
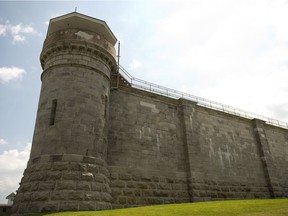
x=106 y=107
x=53 y=112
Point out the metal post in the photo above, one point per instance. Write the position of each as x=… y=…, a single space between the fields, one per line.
x=118 y=66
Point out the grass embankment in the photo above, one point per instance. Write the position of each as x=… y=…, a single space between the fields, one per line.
x=271 y=207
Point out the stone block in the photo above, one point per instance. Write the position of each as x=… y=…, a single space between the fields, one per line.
x=113 y=176
x=153 y=200
x=73 y=157
x=226 y=189
x=117 y=184
x=142 y=185
x=92 y=196
x=182 y=200
x=95 y=186
x=131 y=184
x=182 y=194
x=170 y=180
x=136 y=178
x=147 y=193
x=177 y=186
x=92 y=168
x=103 y=206
x=122 y=200
x=87 y=206
x=146 y=178
x=87 y=176
x=71 y=175
x=60 y=166
x=99 y=162
x=38 y=176
x=49 y=207
x=33 y=207
x=68 y=206
x=116 y=192
x=59 y=195
x=83 y=185
x=131 y=200
x=46 y=186
x=40 y=196
x=128 y=192
x=106 y=188
x=161 y=193
x=26 y=187
x=137 y=193
x=152 y=185
x=103 y=170
x=76 y=195
x=99 y=178
x=66 y=185
x=168 y=200
x=126 y=177
x=27 y=196
x=53 y=175
x=155 y=179
x=73 y=166
x=163 y=186
x=105 y=197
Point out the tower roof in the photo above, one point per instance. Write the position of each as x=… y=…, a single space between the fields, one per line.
x=81 y=21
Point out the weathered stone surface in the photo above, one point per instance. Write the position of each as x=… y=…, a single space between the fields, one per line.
x=50 y=207
x=46 y=186
x=59 y=195
x=96 y=146
x=87 y=206
x=83 y=185
x=95 y=196
x=40 y=196
x=68 y=206
x=87 y=176
x=71 y=175
x=66 y=185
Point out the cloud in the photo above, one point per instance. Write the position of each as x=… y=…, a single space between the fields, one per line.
x=17 y=32
x=3 y=142
x=13 y=162
x=135 y=64
x=280 y=110
x=14 y=159
x=237 y=49
x=2 y=30
x=11 y=73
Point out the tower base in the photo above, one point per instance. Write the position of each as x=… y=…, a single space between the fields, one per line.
x=63 y=182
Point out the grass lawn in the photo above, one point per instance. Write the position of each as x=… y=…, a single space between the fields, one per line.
x=268 y=207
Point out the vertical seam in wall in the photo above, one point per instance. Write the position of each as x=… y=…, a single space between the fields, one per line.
x=188 y=167
x=53 y=112
x=263 y=156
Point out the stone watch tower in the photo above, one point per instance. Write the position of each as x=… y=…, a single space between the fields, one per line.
x=67 y=168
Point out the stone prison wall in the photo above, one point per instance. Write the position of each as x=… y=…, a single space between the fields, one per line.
x=162 y=150
x=100 y=143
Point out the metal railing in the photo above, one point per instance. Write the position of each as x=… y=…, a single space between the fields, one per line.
x=151 y=87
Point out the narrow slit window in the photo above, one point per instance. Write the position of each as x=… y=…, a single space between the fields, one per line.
x=53 y=112
x=106 y=107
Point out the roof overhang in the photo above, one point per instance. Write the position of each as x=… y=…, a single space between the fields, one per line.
x=81 y=21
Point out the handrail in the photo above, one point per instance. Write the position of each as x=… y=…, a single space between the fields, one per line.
x=168 y=92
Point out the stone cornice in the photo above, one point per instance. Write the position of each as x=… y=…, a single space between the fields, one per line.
x=79 y=46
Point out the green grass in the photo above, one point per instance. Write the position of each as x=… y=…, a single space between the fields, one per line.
x=269 y=207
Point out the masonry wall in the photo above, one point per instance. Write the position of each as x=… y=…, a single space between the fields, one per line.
x=162 y=150
x=278 y=151
x=225 y=161
x=146 y=153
